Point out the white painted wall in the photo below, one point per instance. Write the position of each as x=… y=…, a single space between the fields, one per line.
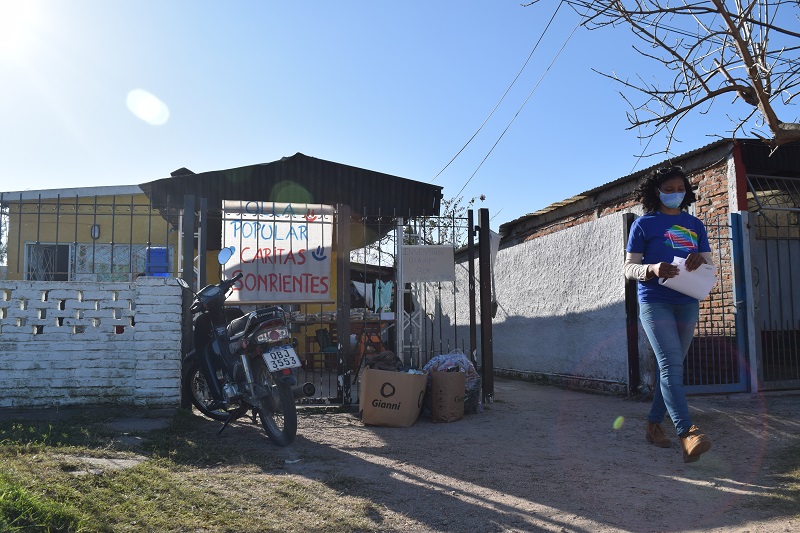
x=70 y=343
x=561 y=301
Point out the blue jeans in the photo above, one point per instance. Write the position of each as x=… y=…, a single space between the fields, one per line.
x=670 y=329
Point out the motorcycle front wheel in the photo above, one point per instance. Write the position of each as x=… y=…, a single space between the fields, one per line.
x=194 y=384
x=278 y=411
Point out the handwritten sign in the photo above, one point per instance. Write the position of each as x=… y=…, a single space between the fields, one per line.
x=282 y=250
x=428 y=263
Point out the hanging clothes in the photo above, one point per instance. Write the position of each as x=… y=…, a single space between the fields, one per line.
x=383 y=294
x=365 y=291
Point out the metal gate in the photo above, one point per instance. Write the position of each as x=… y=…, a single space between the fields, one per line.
x=391 y=324
x=715 y=362
x=373 y=315
x=776 y=279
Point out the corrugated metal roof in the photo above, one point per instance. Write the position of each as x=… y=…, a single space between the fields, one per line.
x=303 y=179
x=299 y=179
x=758 y=160
x=506 y=227
x=71 y=192
x=755 y=154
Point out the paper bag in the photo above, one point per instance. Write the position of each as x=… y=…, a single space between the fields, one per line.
x=447 y=395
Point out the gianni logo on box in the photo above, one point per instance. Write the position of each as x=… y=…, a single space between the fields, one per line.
x=387 y=391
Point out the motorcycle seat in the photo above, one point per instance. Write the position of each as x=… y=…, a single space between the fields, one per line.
x=237 y=326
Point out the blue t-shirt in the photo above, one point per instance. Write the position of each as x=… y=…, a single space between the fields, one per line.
x=661 y=237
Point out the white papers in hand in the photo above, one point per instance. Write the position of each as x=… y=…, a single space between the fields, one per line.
x=697 y=283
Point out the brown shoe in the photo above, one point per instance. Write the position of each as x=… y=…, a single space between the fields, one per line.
x=655 y=435
x=694 y=443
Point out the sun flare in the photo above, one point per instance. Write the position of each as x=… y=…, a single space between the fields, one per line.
x=19 y=22
x=148 y=107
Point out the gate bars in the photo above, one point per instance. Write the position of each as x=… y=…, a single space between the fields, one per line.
x=715 y=362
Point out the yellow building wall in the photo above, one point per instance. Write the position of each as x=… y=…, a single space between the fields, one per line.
x=123 y=220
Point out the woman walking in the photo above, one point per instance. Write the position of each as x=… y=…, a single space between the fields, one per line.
x=668 y=317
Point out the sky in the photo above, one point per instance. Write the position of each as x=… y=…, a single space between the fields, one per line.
x=97 y=92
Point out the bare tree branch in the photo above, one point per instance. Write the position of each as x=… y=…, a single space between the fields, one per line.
x=712 y=47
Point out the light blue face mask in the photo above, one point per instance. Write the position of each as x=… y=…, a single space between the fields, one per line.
x=671 y=200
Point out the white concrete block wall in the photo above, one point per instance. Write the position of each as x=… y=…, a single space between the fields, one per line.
x=73 y=343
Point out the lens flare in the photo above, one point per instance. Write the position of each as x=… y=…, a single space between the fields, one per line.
x=618 y=422
x=148 y=107
x=21 y=27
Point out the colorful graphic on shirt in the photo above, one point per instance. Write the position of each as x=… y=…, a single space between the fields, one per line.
x=680 y=238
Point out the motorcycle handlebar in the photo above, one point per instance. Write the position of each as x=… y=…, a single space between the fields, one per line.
x=202 y=299
x=231 y=281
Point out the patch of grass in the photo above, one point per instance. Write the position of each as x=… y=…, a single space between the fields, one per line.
x=193 y=441
x=29 y=436
x=191 y=480
x=155 y=496
x=23 y=510
x=344 y=483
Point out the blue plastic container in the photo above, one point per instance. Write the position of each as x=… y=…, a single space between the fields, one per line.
x=157 y=261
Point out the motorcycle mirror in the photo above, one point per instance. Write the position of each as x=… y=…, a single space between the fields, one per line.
x=225 y=254
x=182 y=283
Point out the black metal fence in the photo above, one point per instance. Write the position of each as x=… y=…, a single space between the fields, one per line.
x=777 y=285
x=97 y=238
x=716 y=362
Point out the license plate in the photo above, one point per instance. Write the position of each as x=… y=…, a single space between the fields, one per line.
x=280 y=358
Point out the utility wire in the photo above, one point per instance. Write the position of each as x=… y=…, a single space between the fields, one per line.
x=522 y=106
x=505 y=93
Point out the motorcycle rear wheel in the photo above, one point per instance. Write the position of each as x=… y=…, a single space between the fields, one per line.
x=194 y=384
x=278 y=412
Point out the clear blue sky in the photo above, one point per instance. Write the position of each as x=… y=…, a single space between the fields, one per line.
x=396 y=87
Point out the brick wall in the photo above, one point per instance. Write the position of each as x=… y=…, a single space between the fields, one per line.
x=712 y=207
x=69 y=343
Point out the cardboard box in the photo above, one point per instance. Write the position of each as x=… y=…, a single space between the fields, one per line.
x=391 y=399
x=447 y=395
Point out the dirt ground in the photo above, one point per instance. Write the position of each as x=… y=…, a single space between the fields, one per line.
x=545 y=459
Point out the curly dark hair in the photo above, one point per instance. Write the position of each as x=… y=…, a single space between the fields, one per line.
x=646 y=193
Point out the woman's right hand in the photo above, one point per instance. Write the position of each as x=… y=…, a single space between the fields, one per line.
x=664 y=270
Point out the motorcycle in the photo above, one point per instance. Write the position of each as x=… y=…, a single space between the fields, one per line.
x=242 y=362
